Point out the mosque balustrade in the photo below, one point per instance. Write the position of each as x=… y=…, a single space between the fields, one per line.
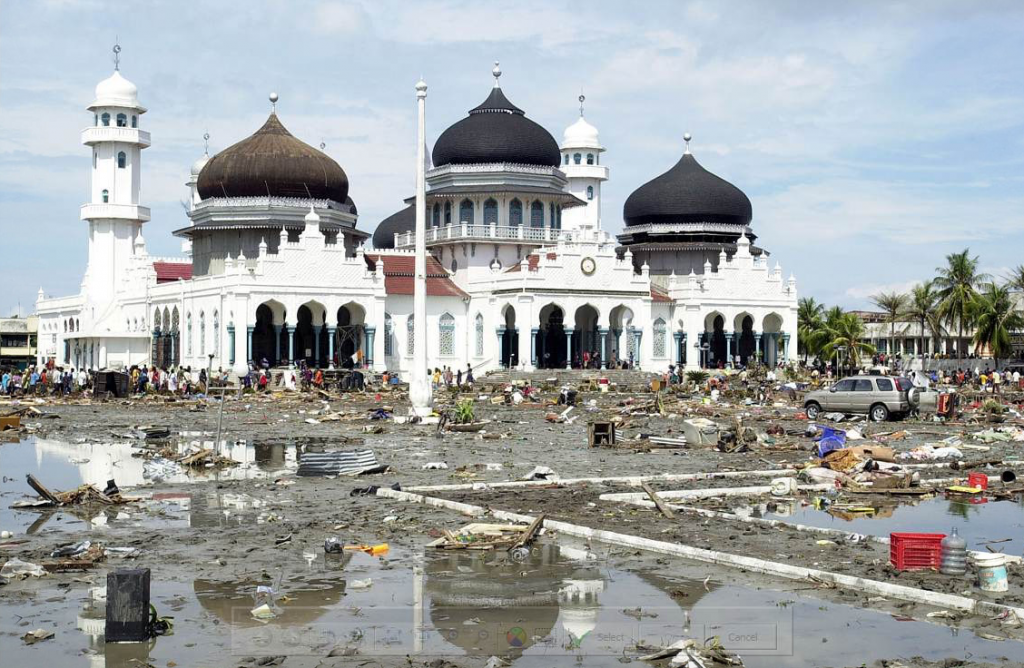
x=466 y=231
x=107 y=210
x=96 y=135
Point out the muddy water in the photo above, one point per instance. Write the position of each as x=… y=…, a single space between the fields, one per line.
x=548 y=611
x=977 y=520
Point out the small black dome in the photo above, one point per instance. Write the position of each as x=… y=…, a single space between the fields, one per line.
x=496 y=131
x=396 y=223
x=687 y=193
x=273 y=162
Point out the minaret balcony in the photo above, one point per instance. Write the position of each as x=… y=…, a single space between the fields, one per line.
x=115 y=211
x=574 y=171
x=485 y=233
x=108 y=133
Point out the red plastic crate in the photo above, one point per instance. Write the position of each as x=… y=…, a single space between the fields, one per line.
x=977 y=480
x=915 y=551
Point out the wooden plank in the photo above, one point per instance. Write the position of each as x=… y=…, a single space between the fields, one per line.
x=41 y=490
x=529 y=534
x=665 y=510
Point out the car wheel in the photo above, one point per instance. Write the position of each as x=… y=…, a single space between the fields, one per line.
x=879 y=413
x=813 y=410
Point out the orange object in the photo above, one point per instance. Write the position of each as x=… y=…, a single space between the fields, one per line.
x=372 y=550
x=979 y=480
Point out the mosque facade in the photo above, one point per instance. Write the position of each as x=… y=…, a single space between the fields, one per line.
x=520 y=270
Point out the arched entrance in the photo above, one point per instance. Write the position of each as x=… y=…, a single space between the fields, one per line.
x=266 y=334
x=714 y=334
x=509 y=338
x=348 y=337
x=744 y=344
x=309 y=325
x=618 y=346
x=585 y=337
x=771 y=339
x=551 y=344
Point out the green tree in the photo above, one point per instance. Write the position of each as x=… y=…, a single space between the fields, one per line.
x=810 y=320
x=957 y=284
x=1015 y=280
x=845 y=331
x=893 y=304
x=922 y=310
x=995 y=315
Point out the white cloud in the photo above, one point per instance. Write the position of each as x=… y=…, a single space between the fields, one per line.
x=338 y=18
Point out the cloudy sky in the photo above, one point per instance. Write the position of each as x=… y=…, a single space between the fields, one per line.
x=872 y=137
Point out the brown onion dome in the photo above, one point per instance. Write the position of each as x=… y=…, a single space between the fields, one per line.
x=273 y=162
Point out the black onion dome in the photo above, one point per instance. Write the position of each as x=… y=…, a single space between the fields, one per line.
x=273 y=162
x=496 y=131
x=397 y=223
x=687 y=193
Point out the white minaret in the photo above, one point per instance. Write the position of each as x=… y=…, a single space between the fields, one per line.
x=114 y=212
x=581 y=162
x=193 y=188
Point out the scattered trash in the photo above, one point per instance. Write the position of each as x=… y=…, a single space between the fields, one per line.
x=435 y=466
x=540 y=473
x=16 y=568
x=360 y=584
x=39 y=635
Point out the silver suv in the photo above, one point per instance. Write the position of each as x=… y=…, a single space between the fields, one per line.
x=876 y=396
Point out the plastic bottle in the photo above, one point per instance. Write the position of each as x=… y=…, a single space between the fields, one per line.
x=954 y=554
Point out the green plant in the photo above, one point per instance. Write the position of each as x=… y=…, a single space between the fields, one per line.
x=993 y=407
x=697 y=377
x=996 y=316
x=957 y=284
x=464 y=411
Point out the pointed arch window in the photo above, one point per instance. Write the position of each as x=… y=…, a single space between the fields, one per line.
x=577 y=158
x=537 y=214
x=216 y=333
x=105 y=119
x=202 y=333
x=135 y=121
x=446 y=334
x=106 y=196
x=479 y=335
x=515 y=213
x=466 y=212
x=448 y=213
x=590 y=158
x=410 y=336
x=567 y=158
x=437 y=215
x=389 y=335
x=491 y=212
x=188 y=333
x=590 y=192
x=122 y=160
x=660 y=338
x=122 y=120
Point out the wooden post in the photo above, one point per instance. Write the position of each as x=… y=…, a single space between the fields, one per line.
x=127 y=605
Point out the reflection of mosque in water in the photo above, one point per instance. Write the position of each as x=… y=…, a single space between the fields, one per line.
x=487 y=603
x=91 y=622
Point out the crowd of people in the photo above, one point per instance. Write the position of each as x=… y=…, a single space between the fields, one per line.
x=446 y=378
x=46 y=380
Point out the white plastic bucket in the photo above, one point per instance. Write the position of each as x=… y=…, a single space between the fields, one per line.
x=783 y=486
x=991 y=572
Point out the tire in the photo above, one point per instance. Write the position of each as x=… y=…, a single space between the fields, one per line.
x=813 y=410
x=879 y=413
x=914 y=396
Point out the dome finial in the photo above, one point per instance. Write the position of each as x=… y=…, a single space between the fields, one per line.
x=273 y=103
x=323 y=145
x=686 y=138
x=206 y=143
x=582 y=99
x=421 y=88
x=497 y=74
x=117 y=53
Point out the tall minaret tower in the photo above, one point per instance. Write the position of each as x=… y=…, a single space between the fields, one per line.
x=114 y=212
x=581 y=162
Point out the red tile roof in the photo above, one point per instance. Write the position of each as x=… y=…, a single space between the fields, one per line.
x=168 y=272
x=532 y=262
x=400 y=273
x=658 y=295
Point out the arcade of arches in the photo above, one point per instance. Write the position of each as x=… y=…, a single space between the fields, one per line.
x=344 y=340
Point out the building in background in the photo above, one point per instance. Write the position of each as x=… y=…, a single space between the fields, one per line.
x=18 y=342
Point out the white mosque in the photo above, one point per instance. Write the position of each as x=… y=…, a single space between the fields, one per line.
x=520 y=271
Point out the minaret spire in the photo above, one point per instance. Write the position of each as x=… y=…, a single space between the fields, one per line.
x=117 y=54
x=497 y=74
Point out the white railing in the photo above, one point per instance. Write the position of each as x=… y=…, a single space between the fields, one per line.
x=108 y=210
x=484 y=232
x=95 y=134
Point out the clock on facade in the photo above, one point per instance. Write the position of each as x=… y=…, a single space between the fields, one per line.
x=588 y=266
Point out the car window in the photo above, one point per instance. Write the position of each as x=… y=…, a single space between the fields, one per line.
x=845 y=385
x=884 y=384
x=863 y=385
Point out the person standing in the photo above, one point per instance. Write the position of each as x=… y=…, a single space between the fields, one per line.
x=469 y=375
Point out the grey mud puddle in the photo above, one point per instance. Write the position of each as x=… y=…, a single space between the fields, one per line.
x=63 y=466
x=978 y=520
x=548 y=611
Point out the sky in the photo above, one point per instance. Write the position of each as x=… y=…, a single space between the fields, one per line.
x=873 y=138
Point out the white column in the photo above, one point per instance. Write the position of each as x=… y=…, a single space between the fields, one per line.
x=241 y=322
x=419 y=387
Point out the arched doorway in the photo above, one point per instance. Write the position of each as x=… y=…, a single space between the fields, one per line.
x=551 y=344
x=618 y=345
x=745 y=346
x=771 y=338
x=308 y=323
x=348 y=338
x=265 y=335
x=714 y=335
x=509 y=339
x=585 y=337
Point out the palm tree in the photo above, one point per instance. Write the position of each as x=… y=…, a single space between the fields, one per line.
x=921 y=309
x=893 y=304
x=1015 y=280
x=846 y=331
x=996 y=315
x=957 y=284
x=810 y=320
